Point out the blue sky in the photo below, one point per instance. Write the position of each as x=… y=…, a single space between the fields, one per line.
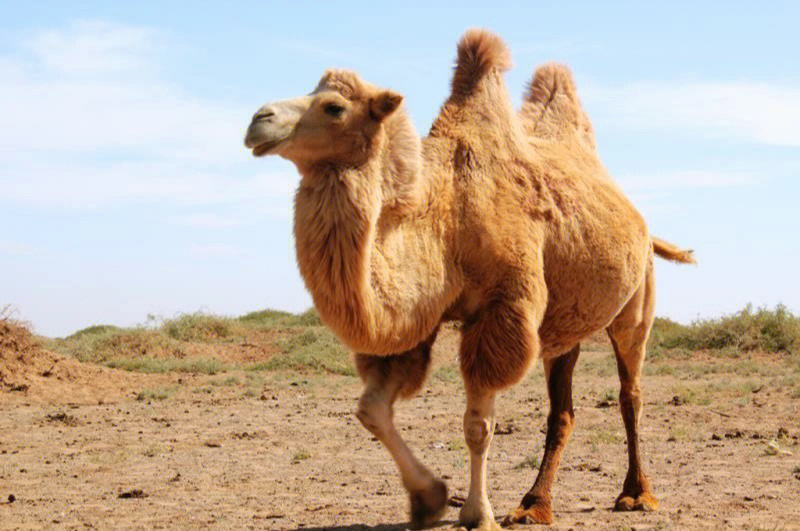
x=125 y=189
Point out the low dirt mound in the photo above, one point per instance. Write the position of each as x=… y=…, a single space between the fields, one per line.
x=30 y=373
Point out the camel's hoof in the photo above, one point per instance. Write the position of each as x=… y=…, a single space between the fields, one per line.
x=538 y=513
x=428 y=505
x=644 y=502
x=485 y=525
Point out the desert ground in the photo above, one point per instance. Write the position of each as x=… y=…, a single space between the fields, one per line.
x=251 y=444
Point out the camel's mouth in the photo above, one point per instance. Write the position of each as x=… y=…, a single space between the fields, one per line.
x=265 y=148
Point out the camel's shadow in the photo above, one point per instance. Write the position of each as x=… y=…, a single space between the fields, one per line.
x=405 y=526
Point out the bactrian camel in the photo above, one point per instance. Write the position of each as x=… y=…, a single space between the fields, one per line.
x=507 y=223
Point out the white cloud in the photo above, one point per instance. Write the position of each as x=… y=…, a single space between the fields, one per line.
x=95 y=86
x=86 y=123
x=745 y=111
x=91 y=186
x=92 y=115
x=94 y=46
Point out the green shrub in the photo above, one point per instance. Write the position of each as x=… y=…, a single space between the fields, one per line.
x=775 y=330
x=315 y=348
x=198 y=327
x=160 y=393
x=267 y=319
x=164 y=365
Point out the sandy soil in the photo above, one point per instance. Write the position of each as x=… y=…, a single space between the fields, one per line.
x=283 y=451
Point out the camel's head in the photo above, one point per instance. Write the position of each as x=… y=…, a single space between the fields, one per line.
x=337 y=122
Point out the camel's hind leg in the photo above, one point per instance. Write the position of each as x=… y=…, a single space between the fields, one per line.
x=536 y=506
x=628 y=333
x=386 y=379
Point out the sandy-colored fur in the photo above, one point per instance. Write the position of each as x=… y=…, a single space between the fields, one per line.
x=504 y=221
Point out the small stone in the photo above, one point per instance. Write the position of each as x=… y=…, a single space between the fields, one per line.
x=135 y=493
x=11 y=498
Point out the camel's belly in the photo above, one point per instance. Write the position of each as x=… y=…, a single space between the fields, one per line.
x=585 y=296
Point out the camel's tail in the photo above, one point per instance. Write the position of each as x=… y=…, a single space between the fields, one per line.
x=673 y=253
x=551 y=108
x=479 y=52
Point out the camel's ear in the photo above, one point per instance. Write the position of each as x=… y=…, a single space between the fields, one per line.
x=384 y=104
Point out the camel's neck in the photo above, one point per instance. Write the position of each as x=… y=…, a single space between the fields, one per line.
x=372 y=250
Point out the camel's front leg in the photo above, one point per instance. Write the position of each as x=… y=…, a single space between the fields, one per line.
x=387 y=378
x=496 y=351
x=479 y=423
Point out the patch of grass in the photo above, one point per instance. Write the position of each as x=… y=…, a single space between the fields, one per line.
x=309 y=317
x=198 y=327
x=268 y=319
x=251 y=392
x=153 y=450
x=746 y=388
x=531 y=461
x=164 y=365
x=96 y=330
x=447 y=374
x=300 y=455
x=456 y=444
x=253 y=378
x=225 y=382
x=169 y=338
x=750 y=329
x=98 y=344
x=658 y=352
x=63 y=418
x=660 y=369
x=682 y=433
x=601 y=366
x=160 y=393
x=600 y=436
x=253 y=381
x=743 y=401
x=609 y=394
x=689 y=395
x=314 y=349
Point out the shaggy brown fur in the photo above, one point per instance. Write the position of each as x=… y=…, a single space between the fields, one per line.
x=508 y=223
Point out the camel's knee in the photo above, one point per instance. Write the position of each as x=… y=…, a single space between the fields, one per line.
x=630 y=395
x=563 y=421
x=478 y=433
x=374 y=412
x=402 y=374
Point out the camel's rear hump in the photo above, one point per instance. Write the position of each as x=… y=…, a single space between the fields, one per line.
x=551 y=107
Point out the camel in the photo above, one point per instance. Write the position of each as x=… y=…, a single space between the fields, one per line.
x=511 y=228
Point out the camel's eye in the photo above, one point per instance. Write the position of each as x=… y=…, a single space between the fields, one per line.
x=334 y=110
